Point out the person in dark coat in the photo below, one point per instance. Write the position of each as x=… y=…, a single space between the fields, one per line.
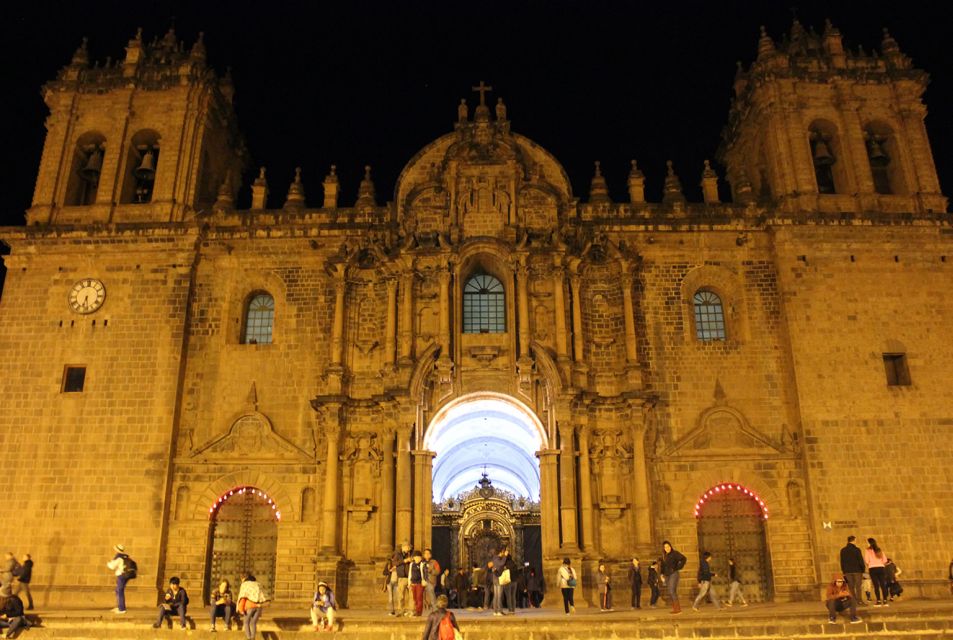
x=23 y=578
x=853 y=567
x=176 y=601
x=635 y=582
x=11 y=612
x=672 y=563
x=461 y=583
x=654 y=580
x=534 y=586
x=437 y=617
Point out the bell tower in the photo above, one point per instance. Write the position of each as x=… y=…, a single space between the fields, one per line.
x=816 y=127
x=151 y=138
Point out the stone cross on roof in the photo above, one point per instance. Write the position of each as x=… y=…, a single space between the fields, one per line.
x=482 y=89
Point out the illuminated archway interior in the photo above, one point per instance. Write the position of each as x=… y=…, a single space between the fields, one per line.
x=485 y=434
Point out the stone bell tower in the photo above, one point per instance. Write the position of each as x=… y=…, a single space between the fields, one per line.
x=816 y=127
x=152 y=137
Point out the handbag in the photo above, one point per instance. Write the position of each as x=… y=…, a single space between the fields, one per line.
x=505 y=578
x=571 y=582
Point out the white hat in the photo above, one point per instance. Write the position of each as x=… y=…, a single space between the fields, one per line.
x=120 y=548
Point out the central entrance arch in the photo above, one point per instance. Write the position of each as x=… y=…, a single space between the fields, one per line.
x=486 y=479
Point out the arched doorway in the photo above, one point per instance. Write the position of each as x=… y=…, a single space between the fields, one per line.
x=731 y=524
x=486 y=480
x=243 y=536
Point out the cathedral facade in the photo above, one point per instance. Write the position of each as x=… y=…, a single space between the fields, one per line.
x=487 y=360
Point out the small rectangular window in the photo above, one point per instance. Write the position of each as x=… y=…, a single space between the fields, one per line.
x=74 y=379
x=895 y=365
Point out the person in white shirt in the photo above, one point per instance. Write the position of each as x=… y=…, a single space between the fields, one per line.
x=251 y=598
x=118 y=566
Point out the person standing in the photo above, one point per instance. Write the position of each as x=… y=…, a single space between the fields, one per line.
x=534 y=587
x=876 y=561
x=430 y=580
x=251 y=599
x=566 y=579
x=734 y=585
x=653 y=580
x=509 y=589
x=705 y=587
x=893 y=584
x=23 y=578
x=118 y=566
x=672 y=563
x=838 y=598
x=462 y=586
x=635 y=582
x=390 y=585
x=497 y=566
x=176 y=601
x=605 y=588
x=402 y=559
x=441 y=623
x=487 y=585
x=418 y=576
x=852 y=565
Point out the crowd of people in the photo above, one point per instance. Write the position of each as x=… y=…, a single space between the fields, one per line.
x=416 y=584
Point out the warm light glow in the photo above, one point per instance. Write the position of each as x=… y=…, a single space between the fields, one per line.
x=240 y=491
x=730 y=487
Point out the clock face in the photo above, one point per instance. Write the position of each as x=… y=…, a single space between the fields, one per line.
x=87 y=296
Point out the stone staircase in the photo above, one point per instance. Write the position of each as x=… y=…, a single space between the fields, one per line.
x=923 y=620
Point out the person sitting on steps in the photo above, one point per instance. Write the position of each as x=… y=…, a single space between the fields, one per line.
x=222 y=605
x=840 y=599
x=323 y=608
x=176 y=601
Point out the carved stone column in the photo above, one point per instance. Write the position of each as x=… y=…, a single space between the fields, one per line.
x=522 y=302
x=337 y=328
x=640 y=481
x=390 y=329
x=386 y=515
x=329 y=505
x=404 y=505
x=559 y=301
x=567 y=490
x=549 y=503
x=632 y=369
x=406 y=316
x=588 y=542
x=579 y=365
x=444 y=279
x=423 y=507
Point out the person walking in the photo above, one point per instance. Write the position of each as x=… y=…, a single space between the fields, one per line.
x=323 y=608
x=251 y=600
x=605 y=588
x=653 y=580
x=852 y=565
x=635 y=582
x=566 y=579
x=222 y=604
x=705 y=587
x=672 y=563
x=176 y=601
x=734 y=585
x=838 y=598
x=124 y=569
x=23 y=578
x=441 y=624
x=876 y=561
x=402 y=559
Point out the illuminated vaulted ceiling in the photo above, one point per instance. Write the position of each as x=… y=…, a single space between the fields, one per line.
x=490 y=433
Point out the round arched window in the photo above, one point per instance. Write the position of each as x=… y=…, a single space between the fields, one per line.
x=709 y=316
x=484 y=306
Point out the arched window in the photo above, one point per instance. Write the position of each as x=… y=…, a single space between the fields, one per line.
x=484 y=307
x=141 y=165
x=259 y=319
x=87 y=164
x=881 y=154
x=709 y=316
x=825 y=152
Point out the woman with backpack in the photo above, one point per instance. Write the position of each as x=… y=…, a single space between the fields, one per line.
x=566 y=577
x=441 y=623
x=876 y=561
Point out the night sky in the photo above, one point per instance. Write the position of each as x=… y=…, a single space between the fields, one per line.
x=355 y=83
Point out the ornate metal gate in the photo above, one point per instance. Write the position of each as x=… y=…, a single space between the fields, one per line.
x=243 y=537
x=731 y=525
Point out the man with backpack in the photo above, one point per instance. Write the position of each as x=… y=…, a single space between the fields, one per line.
x=441 y=624
x=125 y=569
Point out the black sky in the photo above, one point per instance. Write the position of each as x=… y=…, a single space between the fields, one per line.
x=357 y=83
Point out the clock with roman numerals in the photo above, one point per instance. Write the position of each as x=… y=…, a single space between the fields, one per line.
x=87 y=296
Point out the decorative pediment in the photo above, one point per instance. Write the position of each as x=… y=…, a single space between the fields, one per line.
x=723 y=430
x=251 y=438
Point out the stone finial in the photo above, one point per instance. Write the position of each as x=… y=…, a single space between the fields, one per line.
x=709 y=184
x=259 y=190
x=888 y=45
x=225 y=200
x=331 y=185
x=365 y=193
x=81 y=55
x=198 y=51
x=463 y=112
x=834 y=45
x=500 y=110
x=765 y=43
x=599 y=190
x=168 y=40
x=672 y=192
x=636 y=183
x=295 y=191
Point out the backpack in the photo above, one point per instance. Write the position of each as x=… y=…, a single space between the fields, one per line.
x=129 y=568
x=446 y=630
